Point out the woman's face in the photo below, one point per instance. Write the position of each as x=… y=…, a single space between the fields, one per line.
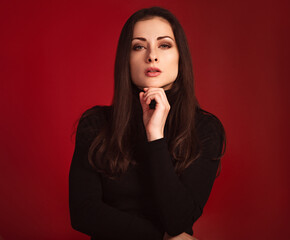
x=154 y=55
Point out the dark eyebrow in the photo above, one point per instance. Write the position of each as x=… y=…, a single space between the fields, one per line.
x=139 y=38
x=159 y=38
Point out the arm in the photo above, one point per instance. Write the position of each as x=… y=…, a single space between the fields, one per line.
x=180 y=199
x=89 y=214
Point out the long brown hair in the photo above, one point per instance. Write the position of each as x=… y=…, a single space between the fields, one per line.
x=111 y=151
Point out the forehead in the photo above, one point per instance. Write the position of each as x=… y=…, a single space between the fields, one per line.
x=153 y=28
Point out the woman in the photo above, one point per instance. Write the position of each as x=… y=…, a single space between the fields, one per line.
x=143 y=168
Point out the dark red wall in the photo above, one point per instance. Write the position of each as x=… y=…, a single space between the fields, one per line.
x=56 y=60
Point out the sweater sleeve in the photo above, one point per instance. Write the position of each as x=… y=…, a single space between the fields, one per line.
x=89 y=214
x=180 y=199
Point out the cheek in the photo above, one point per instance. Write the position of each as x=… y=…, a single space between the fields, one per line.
x=134 y=68
x=137 y=61
x=177 y=59
x=171 y=57
x=173 y=61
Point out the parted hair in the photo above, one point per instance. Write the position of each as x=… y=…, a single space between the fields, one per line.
x=111 y=150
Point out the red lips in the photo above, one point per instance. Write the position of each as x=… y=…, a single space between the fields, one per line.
x=152 y=72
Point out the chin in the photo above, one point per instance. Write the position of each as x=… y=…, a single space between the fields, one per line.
x=154 y=84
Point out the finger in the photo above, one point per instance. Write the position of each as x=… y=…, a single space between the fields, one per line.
x=159 y=105
x=153 y=91
x=149 y=90
x=153 y=96
x=142 y=101
x=162 y=98
x=157 y=91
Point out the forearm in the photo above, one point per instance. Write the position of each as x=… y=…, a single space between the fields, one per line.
x=181 y=198
x=90 y=215
x=109 y=223
x=176 y=206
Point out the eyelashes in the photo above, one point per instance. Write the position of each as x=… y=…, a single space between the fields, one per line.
x=165 y=45
x=139 y=47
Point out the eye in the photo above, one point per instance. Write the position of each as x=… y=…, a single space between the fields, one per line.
x=138 y=47
x=165 y=45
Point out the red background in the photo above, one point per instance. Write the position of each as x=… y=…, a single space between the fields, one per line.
x=56 y=60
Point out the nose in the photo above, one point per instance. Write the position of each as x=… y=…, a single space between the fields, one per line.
x=152 y=59
x=152 y=56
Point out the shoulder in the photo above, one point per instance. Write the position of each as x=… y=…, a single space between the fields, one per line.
x=206 y=121
x=91 y=122
x=210 y=133
x=95 y=116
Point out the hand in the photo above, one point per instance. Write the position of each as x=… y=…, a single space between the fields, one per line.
x=154 y=119
x=182 y=236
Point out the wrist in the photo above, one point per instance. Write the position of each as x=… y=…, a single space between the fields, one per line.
x=154 y=136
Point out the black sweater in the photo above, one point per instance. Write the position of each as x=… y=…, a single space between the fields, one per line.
x=149 y=199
